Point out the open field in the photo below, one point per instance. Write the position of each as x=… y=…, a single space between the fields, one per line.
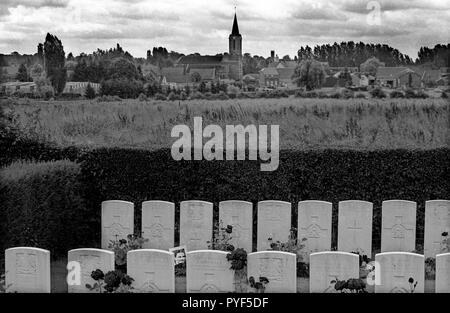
x=304 y=123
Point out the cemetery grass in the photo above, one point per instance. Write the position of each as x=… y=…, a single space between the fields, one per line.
x=305 y=124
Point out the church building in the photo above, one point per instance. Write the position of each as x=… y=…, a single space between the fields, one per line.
x=225 y=66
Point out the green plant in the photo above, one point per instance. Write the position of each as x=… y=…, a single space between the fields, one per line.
x=377 y=93
x=90 y=92
x=354 y=285
x=258 y=286
x=430 y=268
x=120 y=247
x=221 y=238
x=111 y=282
x=2 y=283
x=296 y=246
x=238 y=260
x=412 y=284
x=445 y=243
x=292 y=245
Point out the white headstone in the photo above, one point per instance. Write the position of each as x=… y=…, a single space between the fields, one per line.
x=238 y=214
x=326 y=267
x=158 y=224
x=398 y=224
x=443 y=273
x=274 y=221
x=208 y=271
x=355 y=227
x=152 y=270
x=196 y=219
x=393 y=270
x=280 y=268
x=314 y=224
x=437 y=221
x=89 y=260
x=27 y=270
x=117 y=221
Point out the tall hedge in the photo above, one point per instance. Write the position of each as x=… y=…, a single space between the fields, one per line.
x=329 y=175
x=42 y=205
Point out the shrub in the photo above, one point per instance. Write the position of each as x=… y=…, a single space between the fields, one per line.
x=347 y=94
x=222 y=96
x=336 y=95
x=123 y=88
x=173 y=96
x=444 y=95
x=421 y=95
x=360 y=96
x=43 y=206
x=378 y=93
x=160 y=96
x=90 y=92
x=142 y=97
x=396 y=94
x=410 y=93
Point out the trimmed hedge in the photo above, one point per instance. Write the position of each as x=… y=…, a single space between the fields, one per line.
x=42 y=205
x=329 y=175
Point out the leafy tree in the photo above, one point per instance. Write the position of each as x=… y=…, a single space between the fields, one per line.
x=2 y=75
x=122 y=68
x=54 y=60
x=22 y=74
x=37 y=71
x=124 y=88
x=309 y=73
x=196 y=77
x=90 y=92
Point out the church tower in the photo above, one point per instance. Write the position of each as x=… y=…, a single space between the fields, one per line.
x=235 y=51
x=235 y=39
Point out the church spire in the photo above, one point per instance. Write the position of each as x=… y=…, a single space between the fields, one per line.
x=235 y=31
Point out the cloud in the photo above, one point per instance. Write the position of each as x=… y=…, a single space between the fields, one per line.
x=365 y=6
x=318 y=11
x=204 y=25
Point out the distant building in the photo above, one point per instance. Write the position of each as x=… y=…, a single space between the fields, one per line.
x=226 y=66
x=17 y=87
x=396 y=77
x=269 y=77
x=79 y=88
x=180 y=77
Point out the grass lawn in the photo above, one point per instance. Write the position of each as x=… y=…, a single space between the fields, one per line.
x=58 y=281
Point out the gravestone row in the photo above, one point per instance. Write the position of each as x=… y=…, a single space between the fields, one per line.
x=274 y=222
x=28 y=270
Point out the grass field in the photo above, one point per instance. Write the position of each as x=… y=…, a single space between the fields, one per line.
x=304 y=123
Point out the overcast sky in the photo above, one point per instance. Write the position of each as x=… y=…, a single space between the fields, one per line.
x=204 y=25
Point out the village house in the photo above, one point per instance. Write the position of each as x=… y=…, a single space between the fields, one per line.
x=397 y=77
x=269 y=77
x=10 y=88
x=181 y=77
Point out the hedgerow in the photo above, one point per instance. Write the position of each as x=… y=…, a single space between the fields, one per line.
x=329 y=175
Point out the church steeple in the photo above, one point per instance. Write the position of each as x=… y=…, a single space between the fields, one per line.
x=235 y=39
x=235 y=31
